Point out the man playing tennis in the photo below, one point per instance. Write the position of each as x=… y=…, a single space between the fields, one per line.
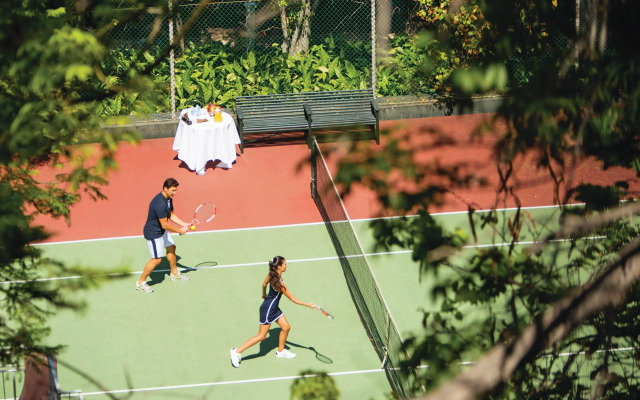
x=156 y=231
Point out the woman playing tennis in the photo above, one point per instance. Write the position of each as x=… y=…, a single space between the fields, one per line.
x=270 y=312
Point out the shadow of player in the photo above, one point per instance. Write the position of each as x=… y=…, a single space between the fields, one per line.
x=271 y=343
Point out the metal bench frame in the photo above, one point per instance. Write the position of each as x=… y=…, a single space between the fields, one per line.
x=306 y=112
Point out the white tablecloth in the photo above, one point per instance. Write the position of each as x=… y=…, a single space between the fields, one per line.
x=200 y=142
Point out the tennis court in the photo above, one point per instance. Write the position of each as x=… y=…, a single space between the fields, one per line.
x=175 y=343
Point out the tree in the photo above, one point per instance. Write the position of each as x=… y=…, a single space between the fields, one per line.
x=576 y=97
x=295 y=17
x=52 y=81
x=296 y=27
x=462 y=30
x=314 y=386
x=295 y=21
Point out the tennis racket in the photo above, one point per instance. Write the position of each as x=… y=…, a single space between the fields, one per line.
x=326 y=314
x=204 y=213
x=206 y=265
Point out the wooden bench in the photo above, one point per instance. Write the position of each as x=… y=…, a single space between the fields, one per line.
x=273 y=114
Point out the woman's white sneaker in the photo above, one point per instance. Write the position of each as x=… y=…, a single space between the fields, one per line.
x=235 y=358
x=285 y=354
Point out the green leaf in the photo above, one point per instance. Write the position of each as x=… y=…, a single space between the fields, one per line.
x=78 y=71
x=56 y=12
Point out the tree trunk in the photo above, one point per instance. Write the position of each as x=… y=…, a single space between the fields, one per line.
x=383 y=28
x=286 y=41
x=298 y=41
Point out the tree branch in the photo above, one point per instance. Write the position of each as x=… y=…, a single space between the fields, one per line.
x=178 y=37
x=499 y=363
x=573 y=226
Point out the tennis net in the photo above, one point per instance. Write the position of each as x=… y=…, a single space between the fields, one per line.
x=361 y=281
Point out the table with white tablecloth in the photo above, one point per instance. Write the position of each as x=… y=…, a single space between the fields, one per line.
x=202 y=142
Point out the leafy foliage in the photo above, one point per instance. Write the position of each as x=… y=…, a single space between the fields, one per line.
x=578 y=102
x=314 y=386
x=49 y=66
x=218 y=73
x=422 y=64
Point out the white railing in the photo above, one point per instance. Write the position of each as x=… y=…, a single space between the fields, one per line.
x=8 y=374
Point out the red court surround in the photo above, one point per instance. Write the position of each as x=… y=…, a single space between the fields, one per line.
x=269 y=186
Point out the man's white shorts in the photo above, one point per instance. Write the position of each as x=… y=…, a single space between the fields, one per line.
x=157 y=246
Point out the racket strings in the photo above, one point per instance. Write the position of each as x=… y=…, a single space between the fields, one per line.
x=205 y=212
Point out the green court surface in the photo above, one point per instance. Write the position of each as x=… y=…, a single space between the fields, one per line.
x=406 y=292
x=174 y=343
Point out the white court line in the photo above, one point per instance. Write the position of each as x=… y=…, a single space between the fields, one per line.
x=547 y=355
x=257 y=228
x=297 y=225
x=196 y=385
x=302 y=260
x=253 y=264
x=282 y=378
x=292 y=377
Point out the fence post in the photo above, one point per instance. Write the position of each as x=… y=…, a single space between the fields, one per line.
x=172 y=64
x=373 y=47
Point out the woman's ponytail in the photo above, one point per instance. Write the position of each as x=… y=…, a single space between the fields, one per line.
x=274 y=278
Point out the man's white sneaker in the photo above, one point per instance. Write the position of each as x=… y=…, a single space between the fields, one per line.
x=285 y=354
x=179 y=277
x=144 y=287
x=235 y=358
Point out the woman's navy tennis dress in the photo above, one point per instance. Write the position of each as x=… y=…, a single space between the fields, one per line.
x=270 y=310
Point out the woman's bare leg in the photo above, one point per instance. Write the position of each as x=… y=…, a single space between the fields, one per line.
x=262 y=334
x=284 y=332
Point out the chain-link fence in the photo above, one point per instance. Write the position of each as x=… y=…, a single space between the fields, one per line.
x=255 y=24
x=234 y=47
x=256 y=47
